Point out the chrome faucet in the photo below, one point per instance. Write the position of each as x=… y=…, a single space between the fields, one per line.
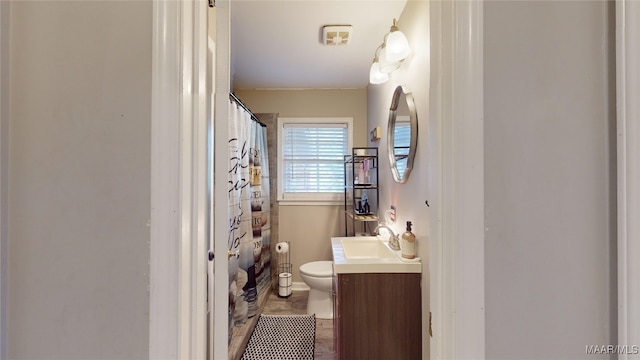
x=393 y=240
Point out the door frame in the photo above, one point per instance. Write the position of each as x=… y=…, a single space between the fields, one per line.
x=456 y=261
x=178 y=244
x=461 y=306
x=628 y=168
x=220 y=137
x=460 y=283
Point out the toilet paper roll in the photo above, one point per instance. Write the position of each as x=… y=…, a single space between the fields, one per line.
x=282 y=248
x=284 y=284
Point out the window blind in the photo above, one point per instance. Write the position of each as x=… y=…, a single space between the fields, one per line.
x=313 y=157
x=401 y=140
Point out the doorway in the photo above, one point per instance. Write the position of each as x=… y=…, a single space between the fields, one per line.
x=178 y=330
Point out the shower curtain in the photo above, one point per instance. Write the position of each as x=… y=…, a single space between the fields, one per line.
x=249 y=221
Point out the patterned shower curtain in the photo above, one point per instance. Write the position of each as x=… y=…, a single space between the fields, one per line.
x=263 y=270
x=249 y=223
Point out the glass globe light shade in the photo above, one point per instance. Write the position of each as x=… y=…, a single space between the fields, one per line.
x=397 y=46
x=385 y=65
x=376 y=76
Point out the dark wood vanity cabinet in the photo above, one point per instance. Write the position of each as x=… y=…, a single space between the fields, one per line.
x=377 y=316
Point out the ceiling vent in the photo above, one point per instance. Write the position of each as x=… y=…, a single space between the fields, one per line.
x=336 y=34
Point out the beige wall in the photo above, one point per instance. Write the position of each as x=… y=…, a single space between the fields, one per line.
x=79 y=180
x=549 y=178
x=310 y=228
x=4 y=157
x=409 y=198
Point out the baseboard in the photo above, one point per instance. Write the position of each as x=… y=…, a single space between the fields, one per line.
x=299 y=286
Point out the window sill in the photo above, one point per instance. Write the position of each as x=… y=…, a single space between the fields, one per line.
x=311 y=202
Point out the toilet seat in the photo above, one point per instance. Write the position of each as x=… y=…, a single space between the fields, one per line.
x=318 y=269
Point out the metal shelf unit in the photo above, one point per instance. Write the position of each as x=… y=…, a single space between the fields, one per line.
x=360 y=183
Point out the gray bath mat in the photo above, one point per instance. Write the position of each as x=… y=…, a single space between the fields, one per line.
x=280 y=337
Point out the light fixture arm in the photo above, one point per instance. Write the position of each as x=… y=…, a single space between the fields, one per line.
x=394 y=27
x=376 y=56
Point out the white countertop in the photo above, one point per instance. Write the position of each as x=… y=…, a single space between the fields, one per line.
x=392 y=264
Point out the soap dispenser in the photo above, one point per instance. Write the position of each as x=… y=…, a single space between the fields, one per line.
x=408 y=243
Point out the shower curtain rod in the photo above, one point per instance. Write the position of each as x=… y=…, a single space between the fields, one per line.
x=233 y=97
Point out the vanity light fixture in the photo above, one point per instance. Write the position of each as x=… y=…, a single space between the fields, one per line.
x=396 y=44
x=389 y=55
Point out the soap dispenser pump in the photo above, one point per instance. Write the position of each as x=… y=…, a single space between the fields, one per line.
x=408 y=243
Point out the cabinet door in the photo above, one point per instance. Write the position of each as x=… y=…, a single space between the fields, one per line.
x=379 y=316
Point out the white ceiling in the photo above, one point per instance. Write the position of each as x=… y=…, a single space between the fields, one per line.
x=277 y=44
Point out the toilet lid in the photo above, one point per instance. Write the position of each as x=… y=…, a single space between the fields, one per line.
x=318 y=268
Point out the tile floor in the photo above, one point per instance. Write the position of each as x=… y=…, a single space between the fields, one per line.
x=297 y=304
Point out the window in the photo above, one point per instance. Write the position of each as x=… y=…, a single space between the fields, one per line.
x=311 y=159
x=402 y=141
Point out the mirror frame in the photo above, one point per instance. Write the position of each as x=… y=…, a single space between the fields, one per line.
x=413 y=119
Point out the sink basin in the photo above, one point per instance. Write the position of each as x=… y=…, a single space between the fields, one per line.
x=355 y=248
x=368 y=254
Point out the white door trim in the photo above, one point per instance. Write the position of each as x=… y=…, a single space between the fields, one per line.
x=177 y=303
x=628 y=144
x=457 y=258
x=221 y=178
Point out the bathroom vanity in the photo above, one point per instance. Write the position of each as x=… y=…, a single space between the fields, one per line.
x=377 y=301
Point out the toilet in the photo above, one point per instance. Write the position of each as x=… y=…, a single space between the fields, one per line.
x=318 y=275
